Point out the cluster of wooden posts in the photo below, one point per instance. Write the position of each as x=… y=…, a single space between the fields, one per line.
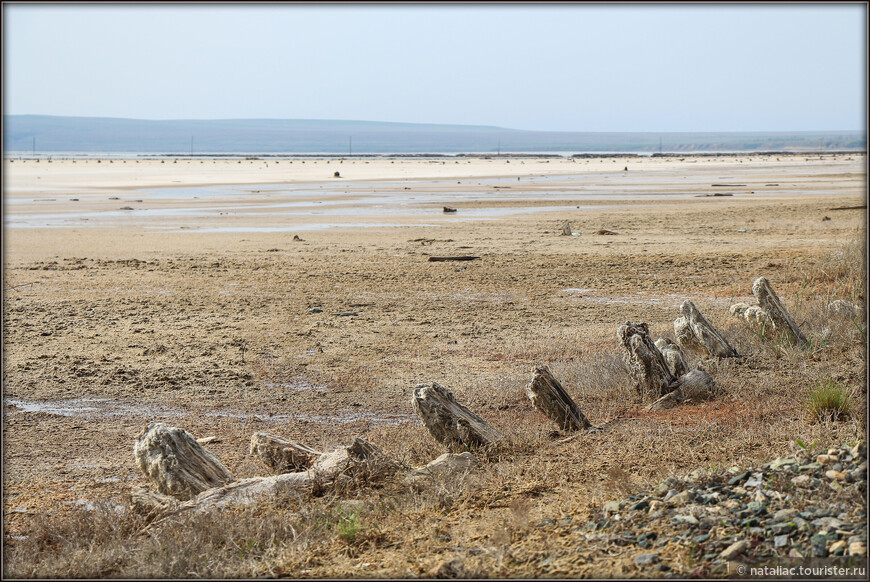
x=189 y=477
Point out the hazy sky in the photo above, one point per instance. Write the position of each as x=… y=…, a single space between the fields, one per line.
x=571 y=67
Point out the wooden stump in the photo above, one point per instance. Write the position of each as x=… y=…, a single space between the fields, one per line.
x=176 y=464
x=673 y=355
x=694 y=332
x=770 y=303
x=649 y=371
x=281 y=455
x=548 y=396
x=448 y=421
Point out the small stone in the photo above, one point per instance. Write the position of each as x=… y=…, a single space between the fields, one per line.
x=818 y=551
x=731 y=504
x=827 y=459
x=827 y=523
x=682 y=498
x=738 y=478
x=802 y=481
x=835 y=486
x=834 y=452
x=686 y=519
x=315 y=310
x=780 y=541
x=756 y=480
x=782 y=462
x=646 y=559
x=612 y=506
x=701 y=538
x=661 y=489
x=734 y=550
x=857 y=549
x=837 y=475
x=839 y=544
x=740 y=491
x=546 y=522
x=640 y=505
x=785 y=515
x=670 y=494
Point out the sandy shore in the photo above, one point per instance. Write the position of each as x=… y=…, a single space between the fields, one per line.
x=199 y=308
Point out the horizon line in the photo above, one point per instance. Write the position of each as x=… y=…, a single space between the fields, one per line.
x=470 y=125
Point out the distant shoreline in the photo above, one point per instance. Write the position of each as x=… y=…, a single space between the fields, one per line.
x=14 y=155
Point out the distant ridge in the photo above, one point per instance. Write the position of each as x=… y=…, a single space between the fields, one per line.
x=45 y=133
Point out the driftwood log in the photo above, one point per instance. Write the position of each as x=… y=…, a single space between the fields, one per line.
x=449 y=422
x=549 y=397
x=653 y=378
x=673 y=355
x=359 y=460
x=457 y=258
x=770 y=303
x=176 y=464
x=282 y=455
x=693 y=331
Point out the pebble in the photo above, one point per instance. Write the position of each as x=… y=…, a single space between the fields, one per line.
x=683 y=498
x=827 y=459
x=838 y=545
x=783 y=514
x=612 y=506
x=646 y=559
x=734 y=550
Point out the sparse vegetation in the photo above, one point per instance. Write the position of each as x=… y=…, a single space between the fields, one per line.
x=829 y=401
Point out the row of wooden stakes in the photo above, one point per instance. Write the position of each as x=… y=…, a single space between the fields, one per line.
x=187 y=476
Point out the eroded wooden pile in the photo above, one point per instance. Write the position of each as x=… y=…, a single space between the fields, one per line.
x=549 y=397
x=448 y=421
x=653 y=378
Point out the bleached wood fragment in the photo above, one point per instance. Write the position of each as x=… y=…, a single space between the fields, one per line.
x=549 y=397
x=673 y=355
x=282 y=455
x=693 y=386
x=693 y=331
x=176 y=464
x=650 y=373
x=448 y=421
x=770 y=303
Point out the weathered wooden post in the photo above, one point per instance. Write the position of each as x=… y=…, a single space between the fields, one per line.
x=176 y=464
x=654 y=379
x=770 y=303
x=448 y=421
x=649 y=371
x=549 y=397
x=673 y=355
x=694 y=332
